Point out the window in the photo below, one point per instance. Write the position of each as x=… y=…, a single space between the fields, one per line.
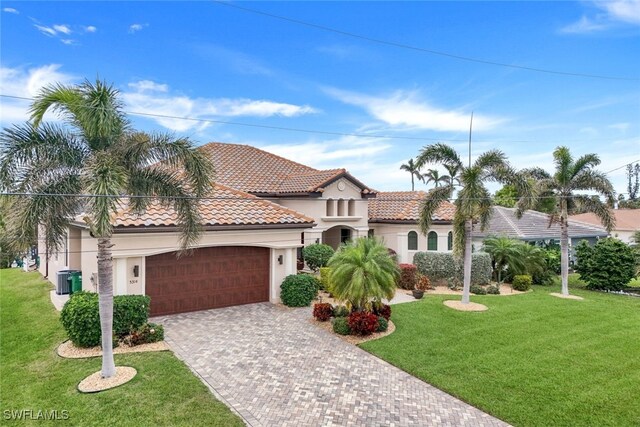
x=371 y=232
x=352 y=207
x=432 y=241
x=450 y=241
x=341 y=204
x=331 y=207
x=413 y=241
x=345 y=235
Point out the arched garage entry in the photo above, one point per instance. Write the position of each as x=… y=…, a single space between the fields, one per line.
x=207 y=278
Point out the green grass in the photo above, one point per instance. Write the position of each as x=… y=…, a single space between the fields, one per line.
x=33 y=376
x=531 y=359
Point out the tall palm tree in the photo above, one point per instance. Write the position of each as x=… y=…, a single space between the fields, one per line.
x=453 y=171
x=362 y=270
x=411 y=167
x=100 y=155
x=505 y=252
x=570 y=176
x=433 y=175
x=473 y=201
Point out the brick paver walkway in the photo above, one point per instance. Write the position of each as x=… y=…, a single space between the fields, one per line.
x=275 y=368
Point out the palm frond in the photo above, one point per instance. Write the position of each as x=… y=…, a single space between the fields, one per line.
x=588 y=179
x=585 y=162
x=536 y=173
x=491 y=160
x=600 y=209
x=564 y=165
x=439 y=153
x=431 y=203
x=105 y=178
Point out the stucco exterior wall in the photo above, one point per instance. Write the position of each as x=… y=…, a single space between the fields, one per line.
x=395 y=237
x=67 y=257
x=624 y=235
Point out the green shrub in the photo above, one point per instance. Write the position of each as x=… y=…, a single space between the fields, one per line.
x=439 y=266
x=383 y=324
x=340 y=311
x=608 y=265
x=493 y=290
x=408 y=276
x=317 y=255
x=575 y=281
x=149 y=333
x=80 y=317
x=522 y=282
x=341 y=326
x=477 y=290
x=298 y=290
x=325 y=272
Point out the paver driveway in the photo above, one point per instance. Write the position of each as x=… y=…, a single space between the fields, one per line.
x=275 y=368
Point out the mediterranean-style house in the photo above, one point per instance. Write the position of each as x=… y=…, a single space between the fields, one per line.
x=263 y=209
x=627 y=223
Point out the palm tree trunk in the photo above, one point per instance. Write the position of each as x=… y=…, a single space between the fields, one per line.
x=105 y=297
x=466 y=284
x=564 y=251
x=412 y=185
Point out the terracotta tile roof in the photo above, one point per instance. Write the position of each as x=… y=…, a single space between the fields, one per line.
x=405 y=206
x=626 y=219
x=533 y=226
x=256 y=171
x=225 y=207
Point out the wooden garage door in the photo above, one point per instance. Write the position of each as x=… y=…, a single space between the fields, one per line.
x=208 y=278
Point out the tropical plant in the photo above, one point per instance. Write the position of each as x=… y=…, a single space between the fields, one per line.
x=571 y=175
x=412 y=168
x=473 y=202
x=505 y=252
x=608 y=265
x=98 y=154
x=362 y=271
x=522 y=282
x=298 y=290
x=454 y=174
x=433 y=175
x=507 y=196
x=317 y=255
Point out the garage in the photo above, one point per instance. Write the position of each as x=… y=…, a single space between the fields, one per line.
x=211 y=277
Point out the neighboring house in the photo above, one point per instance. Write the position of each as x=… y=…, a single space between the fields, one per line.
x=627 y=222
x=394 y=216
x=534 y=227
x=263 y=210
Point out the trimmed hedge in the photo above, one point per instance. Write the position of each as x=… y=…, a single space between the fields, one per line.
x=298 y=290
x=317 y=255
x=440 y=266
x=608 y=265
x=341 y=326
x=493 y=290
x=477 y=290
x=80 y=317
x=522 y=282
x=408 y=276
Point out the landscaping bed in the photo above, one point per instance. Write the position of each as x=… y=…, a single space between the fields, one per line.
x=70 y=351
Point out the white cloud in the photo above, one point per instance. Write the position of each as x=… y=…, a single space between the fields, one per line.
x=62 y=28
x=622 y=10
x=26 y=83
x=404 y=109
x=90 y=29
x=583 y=25
x=150 y=97
x=134 y=28
x=622 y=127
x=611 y=12
x=10 y=10
x=47 y=31
x=68 y=41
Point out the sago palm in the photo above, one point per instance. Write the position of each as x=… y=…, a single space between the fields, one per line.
x=363 y=271
x=571 y=175
x=411 y=167
x=505 y=252
x=433 y=175
x=91 y=166
x=473 y=201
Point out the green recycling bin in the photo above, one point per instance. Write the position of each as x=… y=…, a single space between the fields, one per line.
x=75 y=278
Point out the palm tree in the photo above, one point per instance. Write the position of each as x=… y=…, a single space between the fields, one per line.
x=361 y=271
x=532 y=259
x=411 y=167
x=453 y=171
x=99 y=155
x=505 y=252
x=433 y=175
x=570 y=176
x=473 y=202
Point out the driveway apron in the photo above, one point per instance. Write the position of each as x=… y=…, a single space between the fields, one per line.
x=275 y=368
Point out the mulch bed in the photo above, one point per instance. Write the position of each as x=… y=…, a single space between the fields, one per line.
x=70 y=351
x=354 y=339
x=95 y=383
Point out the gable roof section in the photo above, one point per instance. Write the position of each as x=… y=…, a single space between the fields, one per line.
x=256 y=171
x=626 y=219
x=225 y=207
x=404 y=207
x=533 y=226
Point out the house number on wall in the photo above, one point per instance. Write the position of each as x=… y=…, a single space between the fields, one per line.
x=133 y=281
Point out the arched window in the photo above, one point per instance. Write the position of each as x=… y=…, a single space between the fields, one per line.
x=432 y=241
x=413 y=241
x=341 y=207
x=450 y=241
x=351 y=211
x=331 y=207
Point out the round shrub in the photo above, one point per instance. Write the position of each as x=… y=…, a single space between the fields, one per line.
x=408 y=276
x=362 y=322
x=423 y=283
x=298 y=290
x=477 y=290
x=317 y=255
x=608 y=265
x=322 y=311
x=383 y=324
x=383 y=310
x=493 y=290
x=340 y=311
x=341 y=326
x=81 y=320
x=522 y=282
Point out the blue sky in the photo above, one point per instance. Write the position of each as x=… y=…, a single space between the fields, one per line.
x=209 y=61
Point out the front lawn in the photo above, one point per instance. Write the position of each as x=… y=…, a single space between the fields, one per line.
x=34 y=377
x=531 y=360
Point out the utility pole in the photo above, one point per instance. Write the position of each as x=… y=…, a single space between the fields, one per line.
x=470 y=128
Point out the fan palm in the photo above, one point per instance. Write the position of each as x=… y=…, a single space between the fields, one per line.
x=505 y=252
x=411 y=167
x=361 y=271
x=99 y=155
x=570 y=176
x=433 y=175
x=473 y=201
